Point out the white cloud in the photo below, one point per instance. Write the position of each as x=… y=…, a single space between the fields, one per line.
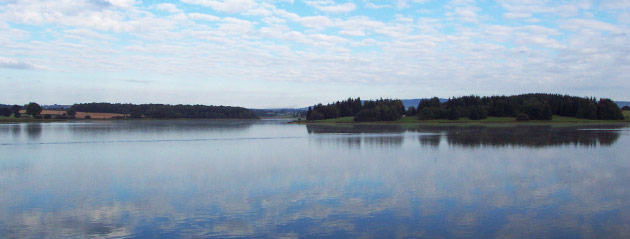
x=235 y=26
x=400 y=4
x=514 y=15
x=464 y=10
x=87 y=35
x=315 y=21
x=331 y=6
x=376 y=6
x=9 y=63
x=121 y=3
x=577 y=24
x=168 y=7
x=359 y=33
x=524 y=9
x=79 y=13
x=263 y=42
x=203 y=17
x=229 y=6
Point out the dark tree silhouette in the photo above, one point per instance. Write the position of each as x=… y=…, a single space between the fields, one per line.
x=371 y=110
x=16 y=111
x=135 y=112
x=6 y=112
x=33 y=109
x=429 y=103
x=316 y=116
x=522 y=117
x=411 y=111
x=451 y=114
x=381 y=110
x=349 y=107
x=608 y=110
x=168 y=111
x=71 y=113
x=535 y=106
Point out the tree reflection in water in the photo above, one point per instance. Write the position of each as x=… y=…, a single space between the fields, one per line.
x=534 y=136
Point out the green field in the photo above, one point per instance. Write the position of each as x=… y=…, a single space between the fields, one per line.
x=626 y=113
x=489 y=120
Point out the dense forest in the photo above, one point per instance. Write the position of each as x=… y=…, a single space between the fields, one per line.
x=371 y=110
x=167 y=111
x=522 y=107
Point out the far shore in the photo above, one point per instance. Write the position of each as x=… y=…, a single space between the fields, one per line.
x=490 y=120
x=341 y=120
x=28 y=119
x=82 y=115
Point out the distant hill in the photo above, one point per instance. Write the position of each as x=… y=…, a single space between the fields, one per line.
x=280 y=112
x=622 y=103
x=414 y=102
x=56 y=107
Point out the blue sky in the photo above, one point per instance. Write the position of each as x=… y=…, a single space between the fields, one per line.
x=283 y=53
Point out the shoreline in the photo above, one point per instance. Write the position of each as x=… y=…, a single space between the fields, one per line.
x=32 y=120
x=489 y=121
x=505 y=121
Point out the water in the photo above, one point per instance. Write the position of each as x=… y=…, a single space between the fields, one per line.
x=269 y=179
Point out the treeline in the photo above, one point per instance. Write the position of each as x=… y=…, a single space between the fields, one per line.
x=32 y=109
x=523 y=107
x=167 y=111
x=371 y=110
x=7 y=110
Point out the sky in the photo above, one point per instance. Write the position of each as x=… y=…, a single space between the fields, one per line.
x=292 y=53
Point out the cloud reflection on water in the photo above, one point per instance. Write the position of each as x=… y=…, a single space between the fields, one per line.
x=420 y=183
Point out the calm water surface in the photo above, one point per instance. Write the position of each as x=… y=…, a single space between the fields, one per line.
x=269 y=179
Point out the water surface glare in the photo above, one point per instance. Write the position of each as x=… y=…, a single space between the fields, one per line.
x=269 y=179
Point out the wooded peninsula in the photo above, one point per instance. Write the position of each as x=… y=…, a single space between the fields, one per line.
x=523 y=107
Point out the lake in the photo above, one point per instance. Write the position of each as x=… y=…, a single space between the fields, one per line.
x=270 y=179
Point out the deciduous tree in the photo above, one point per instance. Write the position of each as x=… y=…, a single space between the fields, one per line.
x=33 y=109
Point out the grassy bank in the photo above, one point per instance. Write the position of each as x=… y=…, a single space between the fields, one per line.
x=4 y=119
x=33 y=120
x=490 y=120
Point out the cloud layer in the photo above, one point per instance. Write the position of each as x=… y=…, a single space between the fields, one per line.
x=403 y=49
